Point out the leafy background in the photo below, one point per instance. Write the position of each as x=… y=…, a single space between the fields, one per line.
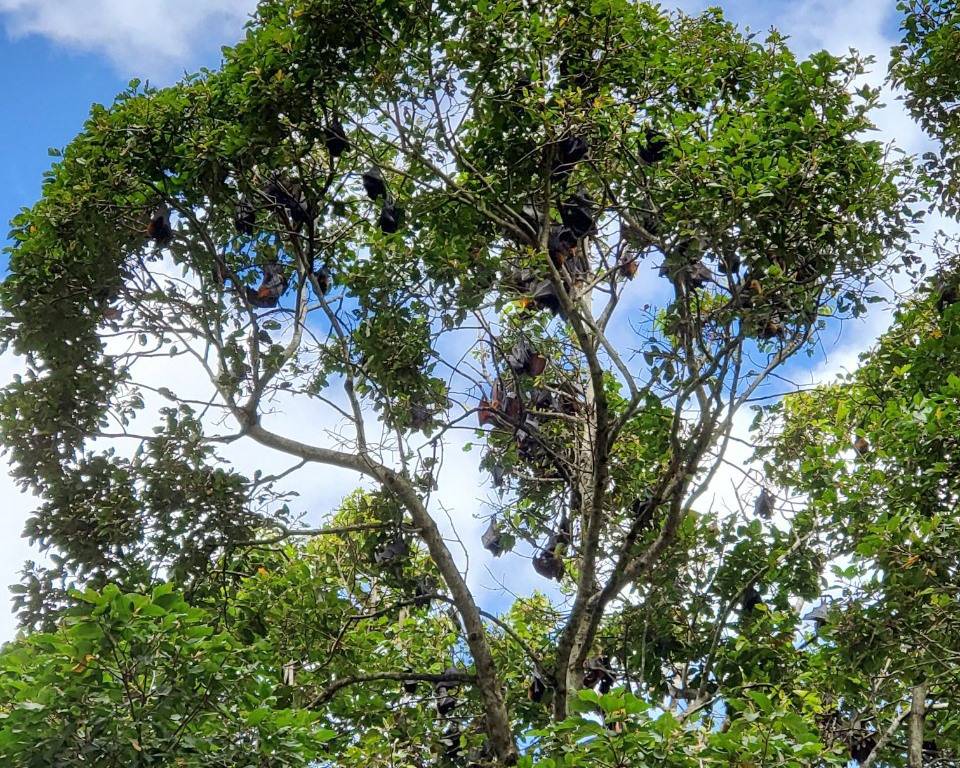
x=66 y=58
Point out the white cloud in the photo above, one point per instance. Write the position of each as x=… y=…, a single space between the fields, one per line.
x=812 y=25
x=158 y=39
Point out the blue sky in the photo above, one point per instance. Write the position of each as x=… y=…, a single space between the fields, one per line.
x=60 y=56
x=50 y=79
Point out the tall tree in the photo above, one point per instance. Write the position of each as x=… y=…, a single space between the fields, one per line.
x=874 y=456
x=429 y=218
x=925 y=65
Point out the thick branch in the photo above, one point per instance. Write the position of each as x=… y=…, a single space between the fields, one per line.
x=498 y=723
x=918 y=708
x=885 y=738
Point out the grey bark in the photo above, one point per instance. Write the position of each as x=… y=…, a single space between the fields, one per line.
x=918 y=708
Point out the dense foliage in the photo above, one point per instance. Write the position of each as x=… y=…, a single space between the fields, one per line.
x=583 y=237
x=925 y=64
x=875 y=455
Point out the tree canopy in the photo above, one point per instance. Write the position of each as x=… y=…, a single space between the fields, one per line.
x=925 y=65
x=583 y=237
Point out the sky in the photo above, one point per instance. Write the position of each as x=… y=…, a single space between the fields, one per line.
x=60 y=56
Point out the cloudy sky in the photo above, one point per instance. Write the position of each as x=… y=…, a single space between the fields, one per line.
x=60 y=56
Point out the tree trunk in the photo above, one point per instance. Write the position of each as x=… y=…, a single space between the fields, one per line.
x=918 y=707
x=488 y=681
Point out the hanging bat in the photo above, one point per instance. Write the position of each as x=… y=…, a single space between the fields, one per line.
x=529 y=448
x=948 y=293
x=373 y=183
x=548 y=564
x=220 y=271
x=159 y=229
x=531 y=220
x=628 y=268
x=561 y=245
x=500 y=405
x=537 y=688
x=420 y=416
x=522 y=359
x=513 y=408
x=596 y=669
x=544 y=296
x=491 y=539
x=391 y=551
x=643 y=510
x=571 y=150
x=541 y=399
x=335 y=138
x=487 y=412
x=819 y=615
x=564 y=535
x=390 y=217
x=700 y=275
x=763 y=506
x=861 y=744
x=323 y=280
x=444 y=690
x=244 y=217
x=751 y=599
x=577 y=213
x=290 y=197
x=771 y=329
x=426 y=586
x=450 y=743
x=271 y=288
x=654 y=146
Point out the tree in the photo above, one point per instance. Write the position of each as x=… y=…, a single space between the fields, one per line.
x=873 y=455
x=524 y=163
x=925 y=65
x=134 y=678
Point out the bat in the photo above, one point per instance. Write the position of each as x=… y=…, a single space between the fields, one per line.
x=335 y=138
x=159 y=229
x=373 y=183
